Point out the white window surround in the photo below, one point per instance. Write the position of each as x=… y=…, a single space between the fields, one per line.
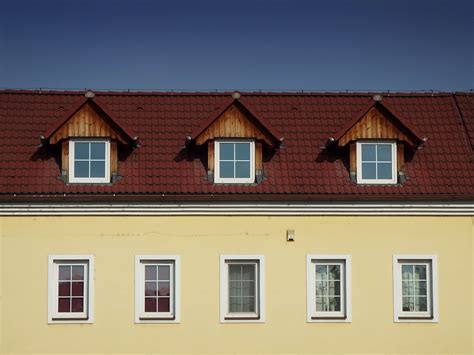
x=432 y=316
x=88 y=315
x=174 y=316
x=394 y=178
x=345 y=316
x=88 y=180
x=217 y=178
x=225 y=316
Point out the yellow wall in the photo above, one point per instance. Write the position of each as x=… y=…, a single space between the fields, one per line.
x=27 y=241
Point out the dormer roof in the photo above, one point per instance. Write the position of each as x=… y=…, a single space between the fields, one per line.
x=378 y=120
x=89 y=117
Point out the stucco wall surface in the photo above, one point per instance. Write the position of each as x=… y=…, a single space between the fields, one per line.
x=26 y=243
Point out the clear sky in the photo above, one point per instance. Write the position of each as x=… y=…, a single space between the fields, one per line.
x=238 y=44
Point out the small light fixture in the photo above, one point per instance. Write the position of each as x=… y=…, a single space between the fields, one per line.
x=290 y=235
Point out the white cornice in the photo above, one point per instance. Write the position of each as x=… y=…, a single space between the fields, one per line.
x=241 y=209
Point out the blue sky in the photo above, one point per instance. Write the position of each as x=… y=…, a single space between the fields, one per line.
x=247 y=45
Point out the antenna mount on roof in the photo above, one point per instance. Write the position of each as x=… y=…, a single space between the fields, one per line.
x=89 y=94
x=377 y=97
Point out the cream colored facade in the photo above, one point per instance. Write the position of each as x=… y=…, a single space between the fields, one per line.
x=114 y=241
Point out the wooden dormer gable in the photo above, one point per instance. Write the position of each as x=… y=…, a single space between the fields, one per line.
x=377 y=121
x=236 y=120
x=89 y=120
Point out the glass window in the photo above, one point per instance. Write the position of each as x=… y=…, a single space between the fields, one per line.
x=70 y=290
x=414 y=288
x=328 y=288
x=157 y=289
x=242 y=289
x=234 y=161
x=89 y=161
x=376 y=162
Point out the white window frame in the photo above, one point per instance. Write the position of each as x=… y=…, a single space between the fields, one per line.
x=257 y=317
x=394 y=178
x=54 y=317
x=217 y=178
x=89 y=180
x=174 y=316
x=432 y=315
x=312 y=316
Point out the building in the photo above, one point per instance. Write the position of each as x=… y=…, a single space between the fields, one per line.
x=236 y=222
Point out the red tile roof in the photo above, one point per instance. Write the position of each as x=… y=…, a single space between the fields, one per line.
x=302 y=169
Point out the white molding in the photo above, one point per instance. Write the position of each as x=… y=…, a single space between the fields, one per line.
x=74 y=180
x=52 y=287
x=217 y=178
x=310 y=292
x=223 y=288
x=397 y=287
x=425 y=208
x=362 y=181
x=139 y=280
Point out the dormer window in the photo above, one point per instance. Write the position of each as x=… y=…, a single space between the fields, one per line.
x=89 y=161
x=234 y=161
x=376 y=162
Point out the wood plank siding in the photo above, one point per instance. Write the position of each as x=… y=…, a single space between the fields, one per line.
x=374 y=125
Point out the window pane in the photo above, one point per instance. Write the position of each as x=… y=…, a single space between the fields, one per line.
x=384 y=170
x=226 y=169
x=321 y=288
x=163 y=304
x=248 y=288
x=248 y=304
x=421 y=304
x=97 y=169
x=242 y=169
x=335 y=304
x=163 y=288
x=150 y=304
x=319 y=304
x=334 y=288
x=64 y=289
x=334 y=272
x=78 y=272
x=235 y=272
x=150 y=272
x=77 y=304
x=420 y=288
x=151 y=288
x=384 y=152
x=407 y=288
x=81 y=150
x=368 y=152
x=408 y=304
x=226 y=151
x=64 y=305
x=234 y=288
x=163 y=272
x=248 y=272
x=420 y=272
x=64 y=272
x=321 y=272
x=81 y=169
x=368 y=171
x=407 y=272
x=98 y=150
x=242 y=151
x=234 y=304
x=78 y=288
